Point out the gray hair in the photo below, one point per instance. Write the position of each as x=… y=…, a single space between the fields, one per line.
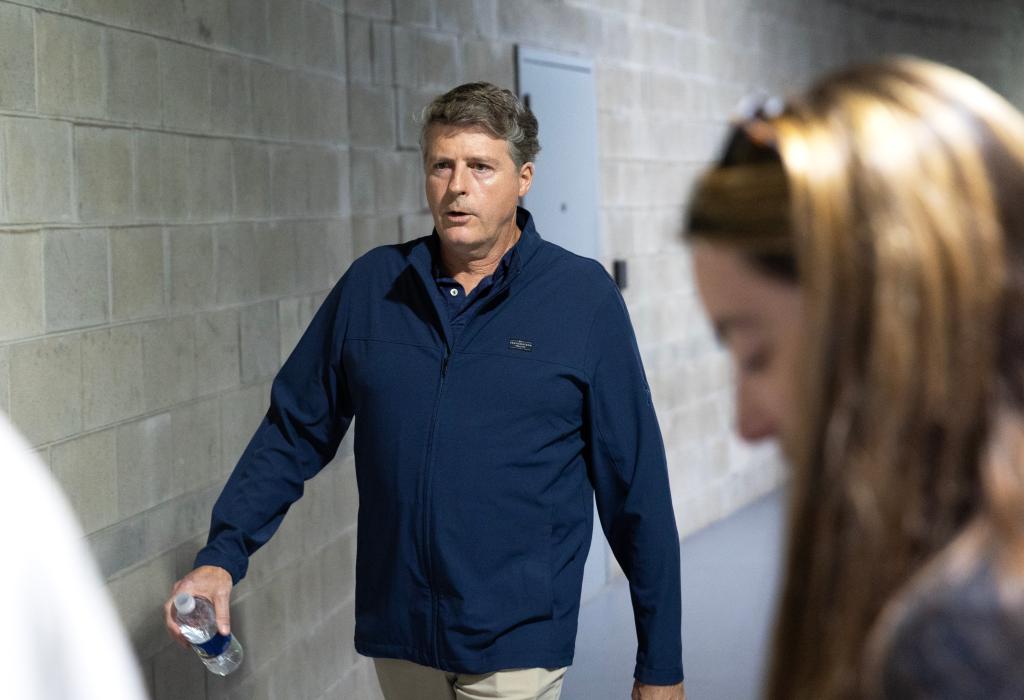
x=495 y=109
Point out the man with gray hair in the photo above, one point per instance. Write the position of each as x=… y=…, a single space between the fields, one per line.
x=498 y=388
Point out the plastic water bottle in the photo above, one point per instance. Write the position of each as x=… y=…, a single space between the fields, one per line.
x=196 y=619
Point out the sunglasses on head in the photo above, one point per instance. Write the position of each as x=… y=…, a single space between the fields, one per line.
x=753 y=139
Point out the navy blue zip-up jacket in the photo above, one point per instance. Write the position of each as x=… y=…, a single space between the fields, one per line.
x=476 y=460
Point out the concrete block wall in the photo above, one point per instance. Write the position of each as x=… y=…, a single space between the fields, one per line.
x=182 y=182
x=668 y=76
x=174 y=204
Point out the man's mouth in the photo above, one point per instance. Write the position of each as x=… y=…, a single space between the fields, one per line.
x=456 y=216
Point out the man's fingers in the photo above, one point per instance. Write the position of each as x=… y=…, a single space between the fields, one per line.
x=210 y=582
x=222 y=609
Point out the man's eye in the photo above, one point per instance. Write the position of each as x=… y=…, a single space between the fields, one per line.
x=441 y=165
x=481 y=167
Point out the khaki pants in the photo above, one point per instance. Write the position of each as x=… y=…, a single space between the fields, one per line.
x=404 y=680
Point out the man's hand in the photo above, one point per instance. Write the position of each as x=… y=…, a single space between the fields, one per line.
x=642 y=691
x=210 y=582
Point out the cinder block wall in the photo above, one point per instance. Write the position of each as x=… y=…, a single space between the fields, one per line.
x=669 y=75
x=175 y=204
x=181 y=183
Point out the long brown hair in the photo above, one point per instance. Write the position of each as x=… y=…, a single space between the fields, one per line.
x=902 y=217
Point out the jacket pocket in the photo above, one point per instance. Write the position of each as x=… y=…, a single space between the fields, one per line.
x=510 y=587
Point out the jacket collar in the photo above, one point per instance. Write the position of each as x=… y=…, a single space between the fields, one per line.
x=422 y=255
x=423 y=252
x=527 y=245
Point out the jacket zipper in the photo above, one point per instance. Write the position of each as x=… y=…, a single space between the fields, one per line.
x=435 y=602
x=427 y=531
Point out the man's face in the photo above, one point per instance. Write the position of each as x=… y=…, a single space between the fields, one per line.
x=472 y=185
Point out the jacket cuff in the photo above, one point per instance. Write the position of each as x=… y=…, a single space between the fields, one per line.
x=659 y=676
x=211 y=557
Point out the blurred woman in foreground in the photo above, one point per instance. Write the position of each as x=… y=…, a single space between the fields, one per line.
x=860 y=252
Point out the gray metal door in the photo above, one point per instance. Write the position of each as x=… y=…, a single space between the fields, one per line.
x=564 y=197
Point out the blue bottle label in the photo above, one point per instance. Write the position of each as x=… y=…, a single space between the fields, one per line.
x=215 y=645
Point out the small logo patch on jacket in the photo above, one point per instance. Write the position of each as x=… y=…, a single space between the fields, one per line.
x=524 y=345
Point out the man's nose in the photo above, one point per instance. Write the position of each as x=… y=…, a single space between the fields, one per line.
x=457 y=182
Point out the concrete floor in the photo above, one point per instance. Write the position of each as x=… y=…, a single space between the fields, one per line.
x=729 y=578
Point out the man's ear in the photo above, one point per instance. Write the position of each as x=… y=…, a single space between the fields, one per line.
x=525 y=178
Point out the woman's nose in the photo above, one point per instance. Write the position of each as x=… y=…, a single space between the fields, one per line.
x=754 y=420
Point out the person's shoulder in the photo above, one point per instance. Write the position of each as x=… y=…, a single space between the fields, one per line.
x=957 y=639
x=383 y=255
x=382 y=260
x=577 y=269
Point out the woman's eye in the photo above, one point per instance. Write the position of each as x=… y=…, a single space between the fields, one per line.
x=756 y=361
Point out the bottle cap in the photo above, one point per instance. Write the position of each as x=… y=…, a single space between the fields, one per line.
x=184 y=603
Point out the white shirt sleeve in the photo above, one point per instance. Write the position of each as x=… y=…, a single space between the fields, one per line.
x=62 y=639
